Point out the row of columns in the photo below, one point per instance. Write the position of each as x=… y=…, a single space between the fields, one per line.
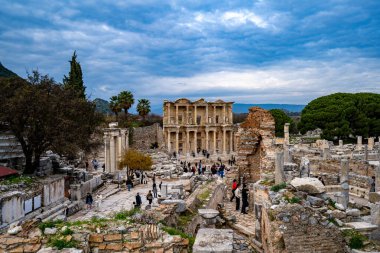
x=195 y=141
x=115 y=144
x=195 y=115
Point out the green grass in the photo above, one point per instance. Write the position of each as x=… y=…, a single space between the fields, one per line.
x=61 y=243
x=49 y=224
x=278 y=187
x=15 y=179
x=174 y=231
x=124 y=215
x=185 y=219
x=356 y=240
x=67 y=231
x=204 y=195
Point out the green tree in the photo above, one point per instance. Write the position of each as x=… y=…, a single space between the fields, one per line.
x=126 y=100
x=45 y=116
x=143 y=107
x=135 y=160
x=75 y=79
x=280 y=119
x=341 y=115
x=115 y=105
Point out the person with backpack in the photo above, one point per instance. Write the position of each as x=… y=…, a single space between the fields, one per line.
x=234 y=186
x=149 y=197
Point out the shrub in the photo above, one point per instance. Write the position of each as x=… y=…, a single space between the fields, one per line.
x=60 y=243
x=49 y=224
x=123 y=215
x=356 y=240
x=278 y=187
x=67 y=231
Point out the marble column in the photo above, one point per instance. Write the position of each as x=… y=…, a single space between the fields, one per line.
x=112 y=154
x=187 y=142
x=169 y=145
x=366 y=152
x=231 y=120
x=286 y=133
x=340 y=143
x=207 y=114
x=231 y=141
x=214 y=114
x=195 y=142
x=195 y=115
x=224 y=115
x=371 y=143
x=279 y=175
x=359 y=143
x=176 y=114
x=224 y=141
x=187 y=115
x=377 y=178
x=344 y=172
x=206 y=140
x=169 y=121
x=176 y=141
x=107 y=152
x=214 y=142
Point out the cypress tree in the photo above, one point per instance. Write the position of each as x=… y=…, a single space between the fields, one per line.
x=75 y=80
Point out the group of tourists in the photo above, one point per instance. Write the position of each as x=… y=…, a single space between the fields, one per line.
x=152 y=194
x=240 y=193
x=200 y=168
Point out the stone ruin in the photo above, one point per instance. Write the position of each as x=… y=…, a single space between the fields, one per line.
x=255 y=145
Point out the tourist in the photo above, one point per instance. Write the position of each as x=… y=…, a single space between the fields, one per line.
x=141 y=178
x=149 y=197
x=89 y=200
x=86 y=165
x=159 y=186
x=372 y=184
x=146 y=178
x=154 y=178
x=244 y=198
x=154 y=189
x=104 y=167
x=138 y=200
x=129 y=184
x=234 y=186
x=193 y=170
x=95 y=164
x=237 y=195
x=213 y=169
x=208 y=155
x=221 y=171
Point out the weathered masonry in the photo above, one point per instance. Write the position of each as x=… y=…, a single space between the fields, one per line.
x=194 y=126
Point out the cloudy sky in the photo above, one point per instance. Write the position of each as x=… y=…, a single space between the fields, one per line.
x=244 y=51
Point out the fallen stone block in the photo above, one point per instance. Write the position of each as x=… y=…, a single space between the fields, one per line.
x=308 y=184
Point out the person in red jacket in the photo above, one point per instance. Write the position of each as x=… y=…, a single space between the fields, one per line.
x=234 y=186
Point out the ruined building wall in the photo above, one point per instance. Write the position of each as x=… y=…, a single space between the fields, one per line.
x=255 y=145
x=296 y=229
x=144 y=137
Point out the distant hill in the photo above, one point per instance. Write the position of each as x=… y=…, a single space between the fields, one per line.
x=4 y=72
x=243 y=108
x=102 y=106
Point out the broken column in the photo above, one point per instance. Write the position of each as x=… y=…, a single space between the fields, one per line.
x=326 y=153
x=286 y=134
x=359 y=143
x=365 y=152
x=377 y=178
x=279 y=168
x=340 y=143
x=344 y=172
x=371 y=143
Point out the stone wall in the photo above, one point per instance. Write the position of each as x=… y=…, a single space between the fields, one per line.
x=144 y=137
x=53 y=191
x=256 y=145
x=12 y=207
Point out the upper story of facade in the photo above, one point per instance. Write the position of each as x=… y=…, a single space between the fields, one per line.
x=183 y=112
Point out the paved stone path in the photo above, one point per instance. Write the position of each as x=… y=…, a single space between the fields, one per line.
x=122 y=200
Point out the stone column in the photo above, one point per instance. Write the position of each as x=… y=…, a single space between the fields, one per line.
x=195 y=115
x=176 y=141
x=187 y=142
x=207 y=114
x=224 y=141
x=169 y=122
x=326 y=153
x=286 y=133
x=344 y=171
x=279 y=168
x=214 y=114
x=340 y=143
x=231 y=120
x=176 y=114
x=359 y=143
x=112 y=155
x=231 y=141
x=371 y=143
x=207 y=140
x=107 y=152
x=119 y=146
x=195 y=141
x=214 y=143
x=169 y=145
x=187 y=115
x=224 y=114
x=377 y=178
x=366 y=152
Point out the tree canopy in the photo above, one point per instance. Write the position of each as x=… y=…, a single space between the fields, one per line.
x=75 y=79
x=135 y=160
x=143 y=107
x=126 y=100
x=342 y=115
x=45 y=116
x=280 y=119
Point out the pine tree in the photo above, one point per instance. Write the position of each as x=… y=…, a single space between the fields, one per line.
x=75 y=79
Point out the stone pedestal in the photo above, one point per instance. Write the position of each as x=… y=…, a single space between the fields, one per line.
x=209 y=217
x=359 y=143
x=210 y=240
